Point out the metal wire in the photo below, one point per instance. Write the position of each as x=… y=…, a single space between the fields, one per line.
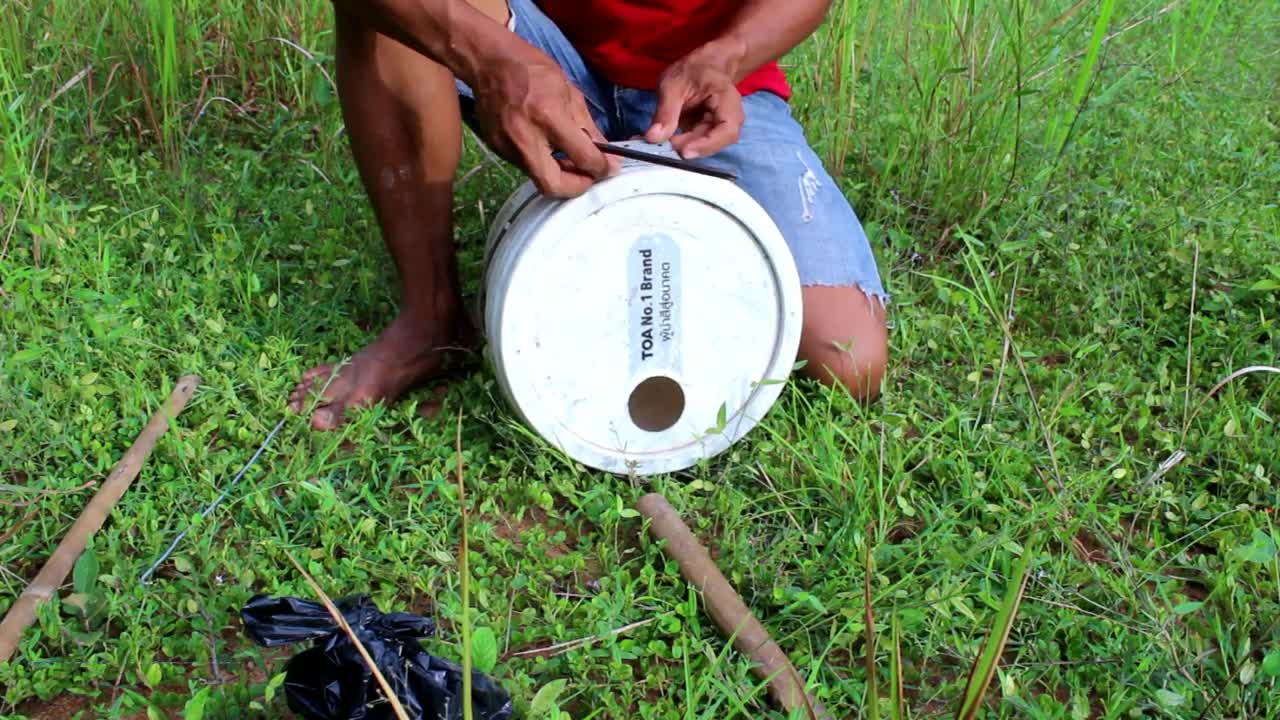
x=208 y=510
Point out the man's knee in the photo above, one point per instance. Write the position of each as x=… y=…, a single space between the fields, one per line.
x=845 y=341
x=857 y=365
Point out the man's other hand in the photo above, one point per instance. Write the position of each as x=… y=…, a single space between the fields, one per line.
x=697 y=95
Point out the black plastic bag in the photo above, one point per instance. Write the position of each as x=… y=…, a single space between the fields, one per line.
x=330 y=681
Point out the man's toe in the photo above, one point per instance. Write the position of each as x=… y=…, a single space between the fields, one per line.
x=315 y=372
x=298 y=397
x=326 y=418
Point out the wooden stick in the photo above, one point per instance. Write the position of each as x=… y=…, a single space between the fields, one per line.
x=58 y=566
x=727 y=609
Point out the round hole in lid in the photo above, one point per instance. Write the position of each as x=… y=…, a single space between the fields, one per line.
x=656 y=404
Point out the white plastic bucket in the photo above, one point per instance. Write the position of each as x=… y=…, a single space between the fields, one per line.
x=645 y=325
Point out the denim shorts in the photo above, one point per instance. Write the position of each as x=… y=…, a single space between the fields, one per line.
x=772 y=159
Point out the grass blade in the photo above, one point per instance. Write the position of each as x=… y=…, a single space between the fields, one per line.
x=1084 y=77
x=1095 y=48
x=898 y=710
x=873 y=689
x=984 y=669
x=465 y=574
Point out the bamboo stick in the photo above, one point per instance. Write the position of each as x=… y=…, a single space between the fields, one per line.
x=59 y=565
x=727 y=609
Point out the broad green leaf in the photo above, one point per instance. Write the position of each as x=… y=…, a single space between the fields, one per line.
x=320 y=87
x=905 y=505
x=85 y=639
x=545 y=699
x=270 y=692
x=1247 y=672
x=1080 y=706
x=85 y=573
x=1262 y=549
x=1271 y=664
x=154 y=675
x=76 y=604
x=484 y=649
x=195 y=706
x=1169 y=698
x=26 y=355
x=1188 y=607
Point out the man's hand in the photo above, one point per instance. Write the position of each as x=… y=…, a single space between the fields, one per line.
x=698 y=96
x=527 y=108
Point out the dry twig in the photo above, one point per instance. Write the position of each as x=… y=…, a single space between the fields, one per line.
x=342 y=623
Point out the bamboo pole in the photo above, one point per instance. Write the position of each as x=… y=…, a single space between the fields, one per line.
x=59 y=565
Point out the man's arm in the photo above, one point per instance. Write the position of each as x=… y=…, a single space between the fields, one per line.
x=451 y=32
x=699 y=93
x=527 y=106
x=764 y=31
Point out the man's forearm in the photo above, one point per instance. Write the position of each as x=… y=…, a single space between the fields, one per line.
x=764 y=31
x=451 y=32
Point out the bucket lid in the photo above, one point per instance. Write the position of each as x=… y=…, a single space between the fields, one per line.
x=645 y=325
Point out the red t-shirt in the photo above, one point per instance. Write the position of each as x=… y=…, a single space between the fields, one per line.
x=631 y=42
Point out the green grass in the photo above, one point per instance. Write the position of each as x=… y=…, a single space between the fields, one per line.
x=1076 y=207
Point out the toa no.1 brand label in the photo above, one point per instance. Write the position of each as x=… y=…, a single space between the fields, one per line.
x=653 y=269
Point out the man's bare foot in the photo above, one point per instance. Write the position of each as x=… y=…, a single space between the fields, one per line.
x=405 y=354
